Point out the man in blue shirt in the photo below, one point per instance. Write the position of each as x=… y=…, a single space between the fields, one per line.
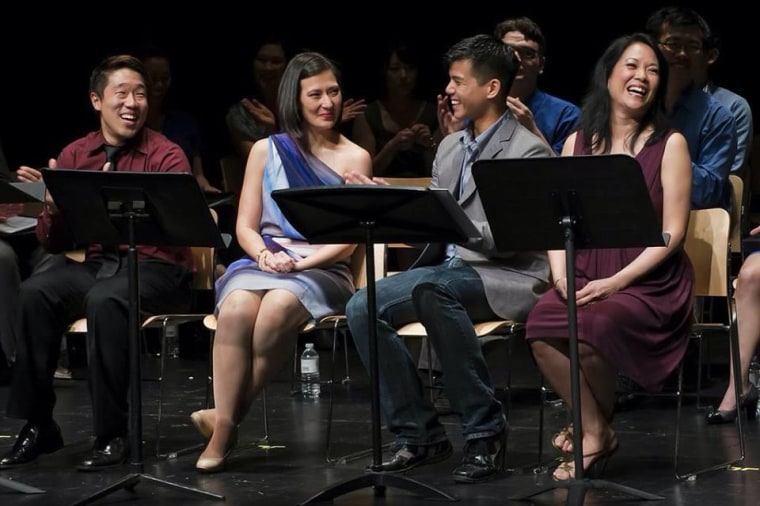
x=735 y=103
x=549 y=117
x=708 y=126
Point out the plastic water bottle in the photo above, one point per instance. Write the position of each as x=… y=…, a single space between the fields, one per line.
x=172 y=341
x=310 y=372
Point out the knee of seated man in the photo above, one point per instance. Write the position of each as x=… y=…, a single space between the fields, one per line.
x=356 y=307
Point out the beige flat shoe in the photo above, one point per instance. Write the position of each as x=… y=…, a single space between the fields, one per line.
x=202 y=420
x=208 y=465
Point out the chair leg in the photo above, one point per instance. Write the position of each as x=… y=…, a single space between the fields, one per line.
x=328 y=435
x=162 y=370
x=679 y=400
x=347 y=379
x=734 y=350
x=294 y=372
x=210 y=371
x=541 y=422
x=265 y=439
x=431 y=385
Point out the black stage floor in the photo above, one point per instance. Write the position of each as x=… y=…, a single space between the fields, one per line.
x=292 y=467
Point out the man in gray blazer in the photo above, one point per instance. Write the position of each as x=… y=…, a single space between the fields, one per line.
x=474 y=283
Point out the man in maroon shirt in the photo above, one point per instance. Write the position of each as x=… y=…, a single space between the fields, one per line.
x=98 y=287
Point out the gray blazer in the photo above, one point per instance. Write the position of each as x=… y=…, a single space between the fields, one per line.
x=513 y=280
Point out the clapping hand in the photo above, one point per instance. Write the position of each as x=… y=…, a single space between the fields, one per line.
x=259 y=111
x=352 y=108
x=27 y=174
x=354 y=177
x=521 y=113
x=422 y=135
x=405 y=139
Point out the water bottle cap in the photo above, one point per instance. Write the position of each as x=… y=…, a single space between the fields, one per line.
x=309 y=345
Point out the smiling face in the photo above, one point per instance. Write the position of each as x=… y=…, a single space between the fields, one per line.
x=634 y=79
x=321 y=100
x=268 y=66
x=531 y=60
x=683 y=48
x=400 y=77
x=468 y=98
x=123 y=107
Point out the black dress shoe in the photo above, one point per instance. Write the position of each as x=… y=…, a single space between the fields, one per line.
x=33 y=441
x=483 y=458
x=411 y=456
x=105 y=456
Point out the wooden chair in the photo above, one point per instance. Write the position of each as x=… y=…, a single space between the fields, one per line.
x=400 y=251
x=708 y=247
x=202 y=281
x=738 y=215
x=233 y=172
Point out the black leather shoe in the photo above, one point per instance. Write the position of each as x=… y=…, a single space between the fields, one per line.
x=411 y=456
x=483 y=458
x=114 y=453
x=33 y=441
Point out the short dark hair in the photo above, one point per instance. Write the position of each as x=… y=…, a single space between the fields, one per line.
x=490 y=58
x=109 y=65
x=680 y=17
x=301 y=66
x=524 y=25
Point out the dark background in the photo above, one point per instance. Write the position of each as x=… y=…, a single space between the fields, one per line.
x=48 y=53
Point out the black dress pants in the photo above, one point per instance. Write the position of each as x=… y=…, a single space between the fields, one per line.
x=49 y=302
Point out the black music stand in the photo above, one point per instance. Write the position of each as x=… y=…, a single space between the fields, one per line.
x=368 y=214
x=12 y=193
x=569 y=203
x=146 y=208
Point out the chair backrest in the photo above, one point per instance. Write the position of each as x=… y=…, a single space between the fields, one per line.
x=233 y=172
x=359 y=264
x=204 y=262
x=395 y=249
x=423 y=181
x=737 y=212
x=707 y=245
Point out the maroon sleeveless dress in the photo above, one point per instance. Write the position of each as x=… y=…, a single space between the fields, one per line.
x=644 y=329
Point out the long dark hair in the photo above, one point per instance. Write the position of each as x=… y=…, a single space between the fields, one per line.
x=596 y=105
x=300 y=67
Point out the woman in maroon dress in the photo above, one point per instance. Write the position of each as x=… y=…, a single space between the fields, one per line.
x=634 y=304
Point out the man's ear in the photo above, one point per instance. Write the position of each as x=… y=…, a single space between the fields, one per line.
x=712 y=55
x=95 y=101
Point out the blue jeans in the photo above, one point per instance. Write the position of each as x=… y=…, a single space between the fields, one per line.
x=446 y=299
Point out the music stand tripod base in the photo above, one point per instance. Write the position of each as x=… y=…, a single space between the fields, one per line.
x=20 y=487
